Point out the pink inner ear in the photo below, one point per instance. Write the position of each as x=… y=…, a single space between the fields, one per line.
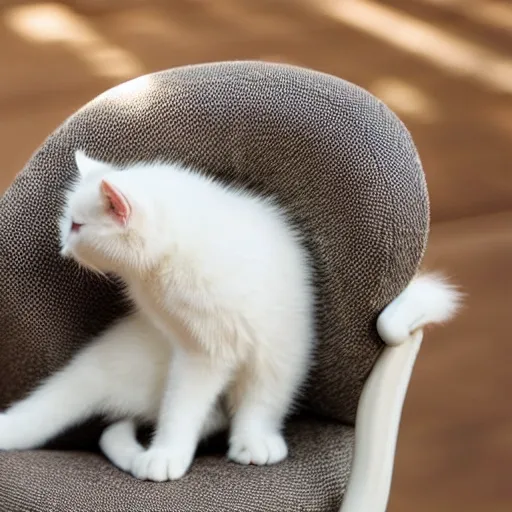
x=119 y=206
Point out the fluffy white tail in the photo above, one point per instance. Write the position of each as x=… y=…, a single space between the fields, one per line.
x=427 y=299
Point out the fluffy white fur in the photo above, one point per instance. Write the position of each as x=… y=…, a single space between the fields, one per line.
x=428 y=299
x=224 y=308
x=224 y=302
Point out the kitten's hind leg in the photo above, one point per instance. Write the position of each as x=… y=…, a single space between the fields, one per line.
x=119 y=444
x=68 y=397
x=120 y=374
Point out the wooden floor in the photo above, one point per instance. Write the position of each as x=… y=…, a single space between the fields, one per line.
x=444 y=67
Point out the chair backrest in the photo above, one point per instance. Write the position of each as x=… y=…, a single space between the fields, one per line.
x=337 y=159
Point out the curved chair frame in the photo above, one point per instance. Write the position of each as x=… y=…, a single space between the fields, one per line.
x=377 y=423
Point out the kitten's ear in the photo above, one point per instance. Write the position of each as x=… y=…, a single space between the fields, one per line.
x=87 y=165
x=118 y=205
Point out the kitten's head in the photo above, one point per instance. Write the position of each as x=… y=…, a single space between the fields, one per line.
x=106 y=225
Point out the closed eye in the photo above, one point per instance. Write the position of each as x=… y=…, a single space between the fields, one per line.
x=75 y=227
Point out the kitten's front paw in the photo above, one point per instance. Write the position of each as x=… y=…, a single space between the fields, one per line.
x=160 y=464
x=259 y=449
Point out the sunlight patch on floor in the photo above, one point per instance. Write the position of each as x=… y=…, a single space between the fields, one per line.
x=451 y=53
x=497 y=14
x=52 y=23
x=407 y=99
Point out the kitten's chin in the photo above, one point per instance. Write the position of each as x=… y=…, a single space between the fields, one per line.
x=65 y=252
x=85 y=257
x=92 y=262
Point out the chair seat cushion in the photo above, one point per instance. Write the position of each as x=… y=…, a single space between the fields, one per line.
x=313 y=478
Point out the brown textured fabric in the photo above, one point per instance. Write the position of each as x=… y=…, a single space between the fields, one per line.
x=312 y=479
x=335 y=157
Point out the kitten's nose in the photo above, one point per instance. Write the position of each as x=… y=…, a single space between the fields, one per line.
x=75 y=227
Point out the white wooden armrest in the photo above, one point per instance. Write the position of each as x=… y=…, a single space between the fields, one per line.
x=426 y=300
x=377 y=423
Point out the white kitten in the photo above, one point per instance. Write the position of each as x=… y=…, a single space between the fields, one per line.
x=223 y=278
x=224 y=297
